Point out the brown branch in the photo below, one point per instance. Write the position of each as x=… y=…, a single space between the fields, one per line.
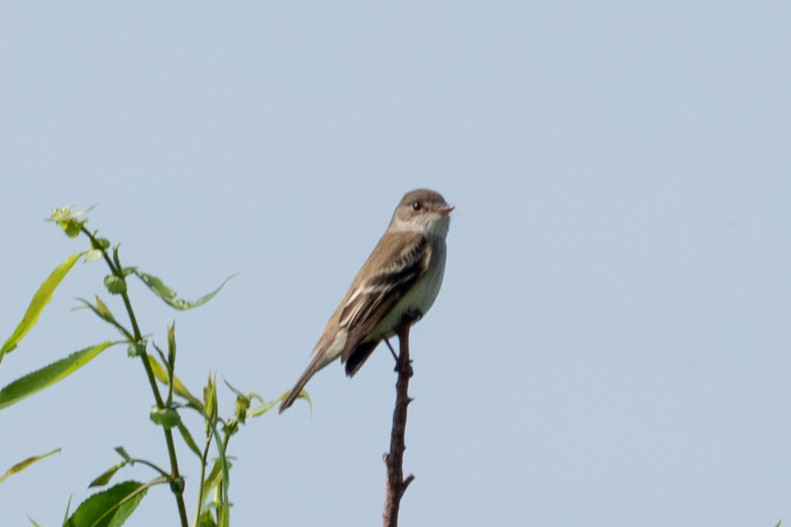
x=396 y=483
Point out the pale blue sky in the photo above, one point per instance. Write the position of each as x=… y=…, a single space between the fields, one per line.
x=612 y=344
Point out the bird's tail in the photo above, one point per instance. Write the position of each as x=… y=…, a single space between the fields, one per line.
x=317 y=363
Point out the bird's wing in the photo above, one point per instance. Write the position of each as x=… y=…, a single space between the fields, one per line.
x=373 y=298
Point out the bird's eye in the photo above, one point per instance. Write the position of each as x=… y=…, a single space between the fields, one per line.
x=416 y=206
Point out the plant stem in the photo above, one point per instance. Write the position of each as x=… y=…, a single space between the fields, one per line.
x=204 y=459
x=117 y=270
x=174 y=464
x=396 y=483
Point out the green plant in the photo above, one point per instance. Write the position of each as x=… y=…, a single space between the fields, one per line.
x=115 y=504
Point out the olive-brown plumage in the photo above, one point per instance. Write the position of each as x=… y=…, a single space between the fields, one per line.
x=398 y=283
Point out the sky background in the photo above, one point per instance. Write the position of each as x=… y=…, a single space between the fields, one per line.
x=612 y=343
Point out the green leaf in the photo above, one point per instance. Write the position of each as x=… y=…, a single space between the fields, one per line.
x=68 y=509
x=34 y=522
x=172 y=345
x=207 y=519
x=49 y=375
x=187 y=436
x=101 y=244
x=162 y=376
x=243 y=403
x=109 y=508
x=167 y=294
x=212 y=481
x=102 y=311
x=221 y=496
x=210 y=399
x=167 y=417
x=40 y=300
x=22 y=465
x=115 y=284
x=264 y=408
x=107 y=475
x=123 y=453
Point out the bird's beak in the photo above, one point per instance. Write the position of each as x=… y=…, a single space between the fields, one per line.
x=445 y=209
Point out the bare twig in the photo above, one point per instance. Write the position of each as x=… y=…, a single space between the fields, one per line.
x=396 y=483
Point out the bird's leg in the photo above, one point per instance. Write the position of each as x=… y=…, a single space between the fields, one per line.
x=392 y=351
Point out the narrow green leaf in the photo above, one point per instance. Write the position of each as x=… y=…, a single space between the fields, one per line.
x=187 y=436
x=233 y=388
x=68 y=510
x=34 y=522
x=162 y=376
x=172 y=345
x=164 y=361
x=225 y=515
x=107 y=475
x=221 y=496
x=102 y=311
x=212 y=481
x=210 y=399
x=37 y=304
x=22 y=465
x=167 y=294
x=49 y=375
x=123 y=453
x=264 y=408
x=158 y=286
x=109 y=508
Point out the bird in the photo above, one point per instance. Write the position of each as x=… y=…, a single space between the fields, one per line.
x=396 y=285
